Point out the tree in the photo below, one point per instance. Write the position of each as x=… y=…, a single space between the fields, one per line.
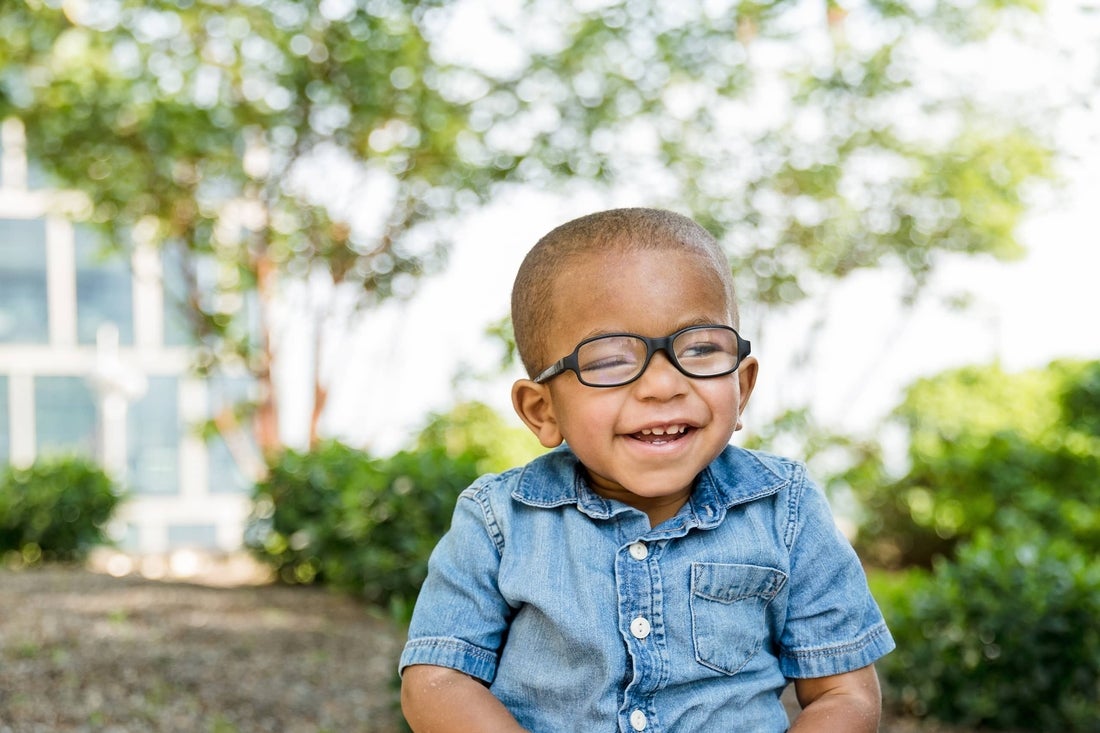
x=798 y=133
x=218 y=129
x=814 y=138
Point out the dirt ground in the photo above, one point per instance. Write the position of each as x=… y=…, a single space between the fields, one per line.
x=81 y=651
x=84 y=652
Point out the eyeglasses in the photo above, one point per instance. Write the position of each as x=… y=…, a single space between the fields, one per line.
x=616 y=359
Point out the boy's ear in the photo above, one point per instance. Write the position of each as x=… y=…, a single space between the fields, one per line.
x=746 y=378
x=534 y=406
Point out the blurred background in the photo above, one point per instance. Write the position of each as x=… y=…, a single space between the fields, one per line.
x=255 y=262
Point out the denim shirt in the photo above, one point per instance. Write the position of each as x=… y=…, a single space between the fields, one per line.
x=581 y=617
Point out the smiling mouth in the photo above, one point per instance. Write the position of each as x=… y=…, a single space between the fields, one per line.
x=662 y=435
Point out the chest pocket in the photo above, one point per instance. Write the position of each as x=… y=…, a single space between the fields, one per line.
x=728 y=604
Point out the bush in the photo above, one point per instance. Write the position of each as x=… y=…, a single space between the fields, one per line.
x=56 y=510
x=988 y=450
x=367 y=525
x=1004 y=637
x=359 y=524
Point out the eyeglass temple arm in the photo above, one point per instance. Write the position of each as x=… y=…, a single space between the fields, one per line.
x=551 y=371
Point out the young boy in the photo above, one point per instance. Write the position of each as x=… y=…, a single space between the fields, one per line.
x=644 y=575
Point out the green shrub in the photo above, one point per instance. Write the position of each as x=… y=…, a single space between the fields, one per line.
x=359 y=524
x=367 y=525
x=988 y=450
x=1005 y=637
x=55 y=510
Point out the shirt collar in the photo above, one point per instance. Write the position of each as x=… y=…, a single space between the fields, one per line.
x=735 y=477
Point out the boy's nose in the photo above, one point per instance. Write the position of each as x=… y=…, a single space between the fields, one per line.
x=661 y=379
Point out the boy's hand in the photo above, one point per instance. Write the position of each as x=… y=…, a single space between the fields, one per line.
x=845 y=703
x=439 y=699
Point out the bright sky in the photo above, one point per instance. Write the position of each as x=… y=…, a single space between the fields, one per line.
x=1025 y=313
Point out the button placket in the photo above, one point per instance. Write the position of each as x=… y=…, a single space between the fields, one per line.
x=638 y=580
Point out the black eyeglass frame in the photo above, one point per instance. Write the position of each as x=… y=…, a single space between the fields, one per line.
x=570 y=363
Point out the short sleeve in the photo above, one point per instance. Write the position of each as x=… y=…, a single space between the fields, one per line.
x=460 y=617
x=833 y=624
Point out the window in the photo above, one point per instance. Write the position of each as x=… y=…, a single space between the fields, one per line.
x=23 y=305
x=153 y=431
x=225 y=475
x=104 y=289
x=198 y=536
x=65 y=416
x=5 y=431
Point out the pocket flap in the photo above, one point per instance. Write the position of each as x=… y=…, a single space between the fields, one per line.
x=731 y=583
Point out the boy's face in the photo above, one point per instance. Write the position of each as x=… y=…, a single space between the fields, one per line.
x=644 y=442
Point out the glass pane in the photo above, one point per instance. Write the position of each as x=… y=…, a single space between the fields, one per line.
x=154 y=438
x=23 y=308
x=198 y=536
x=225 y=475
x=5 y=431
x=177 y=331
x=104 y=289
x=65 y=416
x=37 y=177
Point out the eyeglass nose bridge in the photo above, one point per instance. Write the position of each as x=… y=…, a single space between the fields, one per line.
x=654 y=345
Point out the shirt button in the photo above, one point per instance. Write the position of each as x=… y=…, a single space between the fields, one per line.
x=638 y=720
x=639 y=551
x=640 y=628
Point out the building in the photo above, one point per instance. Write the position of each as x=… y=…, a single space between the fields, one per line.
x=94 y=360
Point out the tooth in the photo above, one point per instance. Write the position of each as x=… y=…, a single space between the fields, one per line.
x=667 y=430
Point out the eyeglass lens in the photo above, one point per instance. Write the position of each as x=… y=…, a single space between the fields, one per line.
x=699 y=352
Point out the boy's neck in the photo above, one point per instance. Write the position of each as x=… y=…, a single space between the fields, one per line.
x=665 y=511
x=658 y=508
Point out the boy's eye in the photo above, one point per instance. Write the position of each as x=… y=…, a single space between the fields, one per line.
x=612 y=361
x=701 y=350
x=708 y=349
x=612 y=353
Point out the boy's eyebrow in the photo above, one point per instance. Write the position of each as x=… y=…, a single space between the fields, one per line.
x=696 y=321
x=702 y=321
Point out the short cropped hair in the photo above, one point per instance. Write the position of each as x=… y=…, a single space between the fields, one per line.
x=621 y=230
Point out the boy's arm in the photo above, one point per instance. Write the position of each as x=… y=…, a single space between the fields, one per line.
x=845 y=703
x=440 y=699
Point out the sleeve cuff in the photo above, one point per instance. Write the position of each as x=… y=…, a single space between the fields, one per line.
x=452 y=653
x=837 y=659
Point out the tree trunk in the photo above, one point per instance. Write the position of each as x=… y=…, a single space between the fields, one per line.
x=320 y=391
x=267 y=411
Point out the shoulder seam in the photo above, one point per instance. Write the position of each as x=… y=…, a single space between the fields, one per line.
x=796 y=485
x=479 y=494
